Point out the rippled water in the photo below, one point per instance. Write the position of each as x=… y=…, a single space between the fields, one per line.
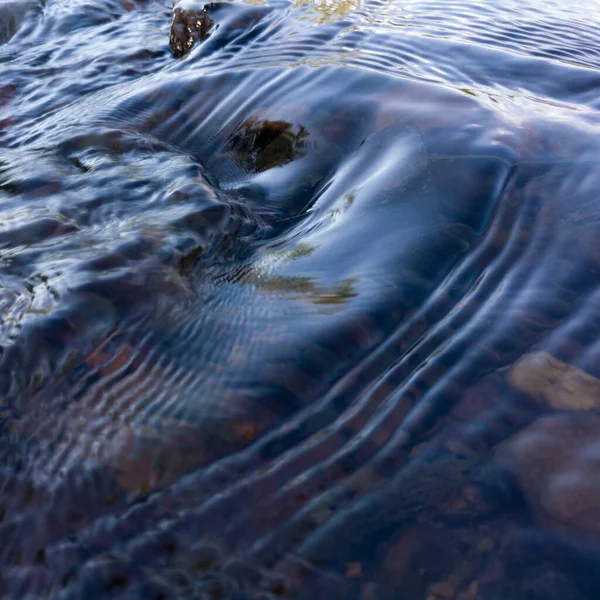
x=300 y=299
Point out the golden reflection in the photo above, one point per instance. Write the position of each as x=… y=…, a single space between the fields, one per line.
x=349 y=201
x=300 y=250
x=330 y=9
x=308 y=288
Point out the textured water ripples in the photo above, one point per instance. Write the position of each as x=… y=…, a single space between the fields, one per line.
x=300 y=308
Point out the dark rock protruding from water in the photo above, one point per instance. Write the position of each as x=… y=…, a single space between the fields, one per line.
x=194 y=22
x=190 y=24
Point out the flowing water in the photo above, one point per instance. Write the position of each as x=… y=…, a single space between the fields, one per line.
x=300 y=298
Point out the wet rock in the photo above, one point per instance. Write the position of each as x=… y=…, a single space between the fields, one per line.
x=556 y=462
x=190 y=24
x=195 y=21
x=263 y=145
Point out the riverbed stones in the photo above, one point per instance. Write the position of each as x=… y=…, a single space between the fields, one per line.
x=555 y=383
x=556 y=461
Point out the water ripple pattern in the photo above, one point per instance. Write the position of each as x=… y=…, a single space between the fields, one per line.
x=299 y=299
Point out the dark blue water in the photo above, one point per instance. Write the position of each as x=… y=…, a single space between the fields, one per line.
x=300 y=299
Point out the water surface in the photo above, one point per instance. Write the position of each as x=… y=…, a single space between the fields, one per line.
x=299 y=299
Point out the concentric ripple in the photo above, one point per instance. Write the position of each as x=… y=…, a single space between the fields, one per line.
x=295 y=299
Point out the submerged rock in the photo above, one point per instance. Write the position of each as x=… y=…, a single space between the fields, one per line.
x=556 y=461
x=555 y=383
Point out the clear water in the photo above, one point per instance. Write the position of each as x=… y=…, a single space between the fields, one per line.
x=306 y=306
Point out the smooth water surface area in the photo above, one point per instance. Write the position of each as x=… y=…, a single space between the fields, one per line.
x=300 y=299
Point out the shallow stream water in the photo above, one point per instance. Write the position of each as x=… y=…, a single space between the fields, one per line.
x=300 y=299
